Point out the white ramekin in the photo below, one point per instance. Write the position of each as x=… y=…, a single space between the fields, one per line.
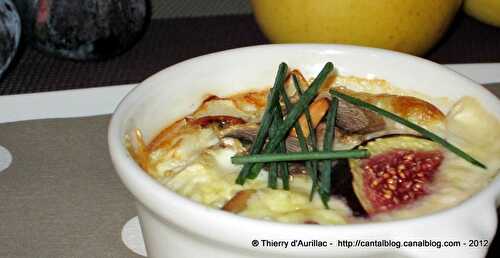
x=174 y=226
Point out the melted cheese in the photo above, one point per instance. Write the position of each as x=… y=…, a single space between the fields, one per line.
x=294 y=206
x=195 y=163
x=185 y=150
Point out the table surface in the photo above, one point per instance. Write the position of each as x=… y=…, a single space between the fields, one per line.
x=169 y=41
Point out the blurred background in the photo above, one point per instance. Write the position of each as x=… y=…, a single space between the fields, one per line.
x=70 y=44
x=194 y=8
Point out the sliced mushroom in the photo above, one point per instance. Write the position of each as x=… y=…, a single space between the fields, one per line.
x=248 y=132
x=354 y=119
x=244 y=132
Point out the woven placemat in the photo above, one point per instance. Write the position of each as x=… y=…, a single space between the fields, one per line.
x=198 y=8
x=169 y=41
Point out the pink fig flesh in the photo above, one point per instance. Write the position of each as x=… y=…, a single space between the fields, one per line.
x=399 y=177
x=398 y=172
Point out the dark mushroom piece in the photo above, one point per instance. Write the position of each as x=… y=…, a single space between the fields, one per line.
x=354 y=119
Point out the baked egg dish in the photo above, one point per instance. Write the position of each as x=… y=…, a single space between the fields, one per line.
x=331 y=149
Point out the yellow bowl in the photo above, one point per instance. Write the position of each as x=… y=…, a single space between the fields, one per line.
x=411 y=26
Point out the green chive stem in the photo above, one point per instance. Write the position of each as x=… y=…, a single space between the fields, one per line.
x=298 y=156
x=285 y=174
x=312 y=130
x=326 y=173
x=283 y=166
x=272 y=180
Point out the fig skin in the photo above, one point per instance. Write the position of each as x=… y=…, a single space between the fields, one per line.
x=10 y=32
x=86 y=29
x=372 y=187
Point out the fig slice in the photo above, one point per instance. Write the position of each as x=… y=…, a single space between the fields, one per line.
x=398 y=172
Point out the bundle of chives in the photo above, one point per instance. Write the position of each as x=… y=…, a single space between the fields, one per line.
x=291 y=117
x=275 y=129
